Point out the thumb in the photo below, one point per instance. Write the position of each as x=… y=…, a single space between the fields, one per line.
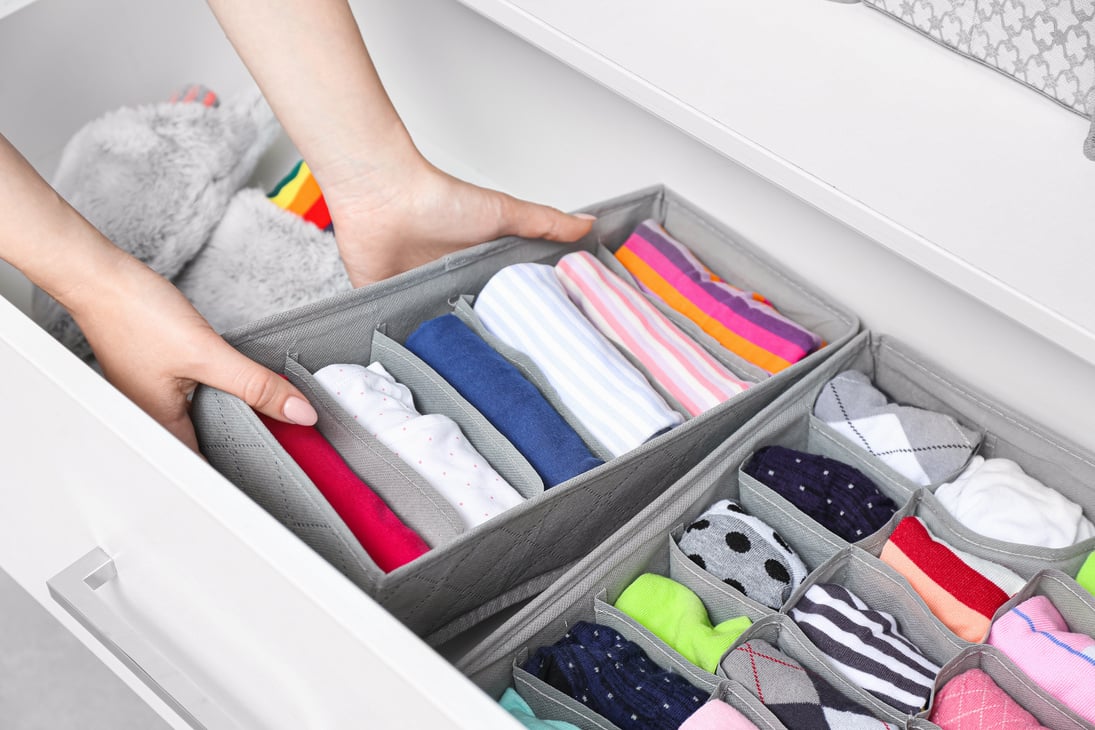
x=530 y=220
x=259 y=387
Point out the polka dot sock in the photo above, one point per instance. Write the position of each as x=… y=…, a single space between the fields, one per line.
x=615 y=678
x=744 y=552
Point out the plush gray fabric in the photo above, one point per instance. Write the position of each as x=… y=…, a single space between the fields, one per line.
x=261 y=260
x=1089 y=143
x=156 y=180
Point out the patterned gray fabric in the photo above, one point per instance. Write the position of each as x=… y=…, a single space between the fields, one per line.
x=1045 y=44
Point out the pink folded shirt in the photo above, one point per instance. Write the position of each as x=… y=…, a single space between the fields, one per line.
x=619 y=312
x=1036 y=637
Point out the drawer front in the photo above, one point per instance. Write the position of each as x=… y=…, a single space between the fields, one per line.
x=260 y=629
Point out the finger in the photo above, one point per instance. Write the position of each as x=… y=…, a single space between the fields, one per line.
x=183 y=430
x=529 y=220
x=261 y=388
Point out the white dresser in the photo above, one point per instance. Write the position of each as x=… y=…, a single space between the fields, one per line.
x=822 y=132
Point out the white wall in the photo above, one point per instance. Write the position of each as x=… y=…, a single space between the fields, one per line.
x=504 y=112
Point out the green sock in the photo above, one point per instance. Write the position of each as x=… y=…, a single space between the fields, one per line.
x=678 y=617
x=1086 y=576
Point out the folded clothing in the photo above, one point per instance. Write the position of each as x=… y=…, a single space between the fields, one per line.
x=388 y=541
x=299 y=193
x=744 y=553
x=677 y=616
x=515 y=705
x=1086 y=576
x=432 y=445
x=960 y=596
x=924 y=446
x=866 y=646
x=717 y=715
x=615 y=678
x=796 y=696
x=1036 y=637
x=684 y=369
x=837 y=496
x=504 y=396
x=525 y=306
x=997 y=499
x=972 y=701
x=743 y=322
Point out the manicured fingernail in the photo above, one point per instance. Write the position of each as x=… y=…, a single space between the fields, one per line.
x=585 y=216
x=300 y=412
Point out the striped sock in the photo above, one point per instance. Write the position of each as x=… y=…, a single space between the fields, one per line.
x=195 y=94
x=866 y=646
x=298 y=192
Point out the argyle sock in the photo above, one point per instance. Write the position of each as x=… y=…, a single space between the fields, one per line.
x=997 y=499
x=615 y=678
x=717 y=715
x=837 y=496
x=299 y=193
x=1036 y=637
x=515 y=705
x=743 y=552
x=972 y=701
x=797 y=697
x=866 y=646
x=924 y=446
x=678 y=617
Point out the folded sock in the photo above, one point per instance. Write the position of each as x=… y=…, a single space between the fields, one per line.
x=997 y=499
x=260 y=261
x=797 y=697
x=684 y=369
x=961 y=597
x=1086 y=576
x=924 y=446
x=515 y=705
x=972 y=701
x=155 y=180
x=615 y=678
x=837 y=496
x=525 y=306
x=744 y=553
x=388 y=541
x=299 y=193
x=717 y=715
x=866 y=646
x=743 y=322
x=504 y=396
x=432 y=445
x=678 y=617
x=1036 y=637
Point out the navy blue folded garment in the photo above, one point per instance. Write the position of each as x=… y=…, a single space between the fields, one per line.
x=504 y=396
x=614 y=677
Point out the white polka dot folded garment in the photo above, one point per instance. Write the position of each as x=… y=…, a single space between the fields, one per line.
x=526 y=307
x=685 y=370
x=433 y=445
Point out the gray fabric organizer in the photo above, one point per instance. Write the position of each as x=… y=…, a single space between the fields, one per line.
x=469 y=575
x=646 y=543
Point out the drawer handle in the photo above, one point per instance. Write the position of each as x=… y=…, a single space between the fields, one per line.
x=74 y=589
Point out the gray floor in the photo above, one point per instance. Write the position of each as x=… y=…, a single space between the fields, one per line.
x=50 y=681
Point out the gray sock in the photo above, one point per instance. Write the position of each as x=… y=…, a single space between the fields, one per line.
x=924 y=446
x=261 y=260
x=743 y=552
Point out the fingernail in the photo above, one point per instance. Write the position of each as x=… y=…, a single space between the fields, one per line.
x=300 y=412
x=585 y=216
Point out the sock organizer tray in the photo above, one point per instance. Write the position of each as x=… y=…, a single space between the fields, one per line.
x=470 y=574
x=647 y=544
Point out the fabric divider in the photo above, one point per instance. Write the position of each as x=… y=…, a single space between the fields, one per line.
x=737 y=696
x=722 y=601
x=1076 y=605
x=432 y=394
x=824 y=440
x=548 y=703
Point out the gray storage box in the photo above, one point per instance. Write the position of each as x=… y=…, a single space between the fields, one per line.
x=469 y=575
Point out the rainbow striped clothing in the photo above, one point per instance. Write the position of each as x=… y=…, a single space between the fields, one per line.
x=298 y=192
x=743 y=322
